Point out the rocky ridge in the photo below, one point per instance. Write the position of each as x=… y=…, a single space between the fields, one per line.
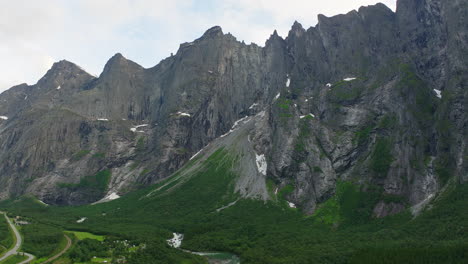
x=371 y=96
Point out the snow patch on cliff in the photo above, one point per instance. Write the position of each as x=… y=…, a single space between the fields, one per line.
x=261 y=163
x=112 y=196
x=176 y=240
x=196 y=154
x=183 y=114
x=135 y=128
x=81 y=220
x=303 y=116
x=236 y=124
x=276 y=97
x=253 y=105
x=417 y=208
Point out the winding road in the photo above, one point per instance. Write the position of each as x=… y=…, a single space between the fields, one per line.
x=69 y=243
x=19 y=241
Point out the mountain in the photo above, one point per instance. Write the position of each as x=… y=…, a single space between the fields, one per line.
x=342 y=143
x=372 y=97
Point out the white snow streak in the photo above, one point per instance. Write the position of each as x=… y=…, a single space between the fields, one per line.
x=438 y=93
x=226 y=206
x=103 y=119
x=303 y=116
x=329 y=85
x=253 y=105
x=58 y=88
x=292 y=205
x=349 y=79
x=238 y=122
x=196 y=154
x=288 y=82
x=276 y=97
x=4 y=117
x=235 y=125
x=176 y=240
x=112 y=196
x=261 y=163
x=81 y=220
x=183 y=114
x=417 y=208
x=135 y=128
x=42 y=202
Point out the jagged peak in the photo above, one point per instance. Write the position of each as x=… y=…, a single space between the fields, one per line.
x=64 y=67
x=370 y=9
x=297 y=26
x=296 y=30
x=375 y=9
x=64 y=64
x=117 y=61
x=117 y=58
x=215 y=31
x=273 y=38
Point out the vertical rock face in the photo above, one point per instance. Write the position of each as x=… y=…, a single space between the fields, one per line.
x=354 y=98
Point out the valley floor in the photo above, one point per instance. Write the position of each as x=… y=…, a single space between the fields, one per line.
x=135 y=228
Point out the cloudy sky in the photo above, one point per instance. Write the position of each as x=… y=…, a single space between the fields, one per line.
x=34 y=34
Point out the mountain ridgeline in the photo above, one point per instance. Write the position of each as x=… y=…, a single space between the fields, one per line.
x=373 y=97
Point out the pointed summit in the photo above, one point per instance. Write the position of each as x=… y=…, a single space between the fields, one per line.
x=118 y=63
x=64 y=68
x=215 y=31
x=296 y=30
x=274 y=38
x=64 y=65
x=297 y=26
x=114 y=62
x=117 y=58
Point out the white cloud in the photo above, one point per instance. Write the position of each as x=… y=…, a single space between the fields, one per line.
x=89 y=32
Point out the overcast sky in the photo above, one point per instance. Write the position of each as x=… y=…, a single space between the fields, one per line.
x=35 y=34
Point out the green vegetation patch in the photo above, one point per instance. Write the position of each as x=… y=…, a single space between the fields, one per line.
x=141 y=144
x=15 y=259
x=79 y=155
x=344 y=91
x=389 y=121
x=6 y=236
x=86 y=235
x=342 y=230
x=89 y=249
x=99 y=155
x=452 y=253
x=96 y=183
x=41 y=240
x=362 y=136
x=349 y=205
x=420 y=96
x=381 y=158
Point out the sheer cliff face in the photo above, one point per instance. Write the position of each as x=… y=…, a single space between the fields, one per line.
x=354 y=98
